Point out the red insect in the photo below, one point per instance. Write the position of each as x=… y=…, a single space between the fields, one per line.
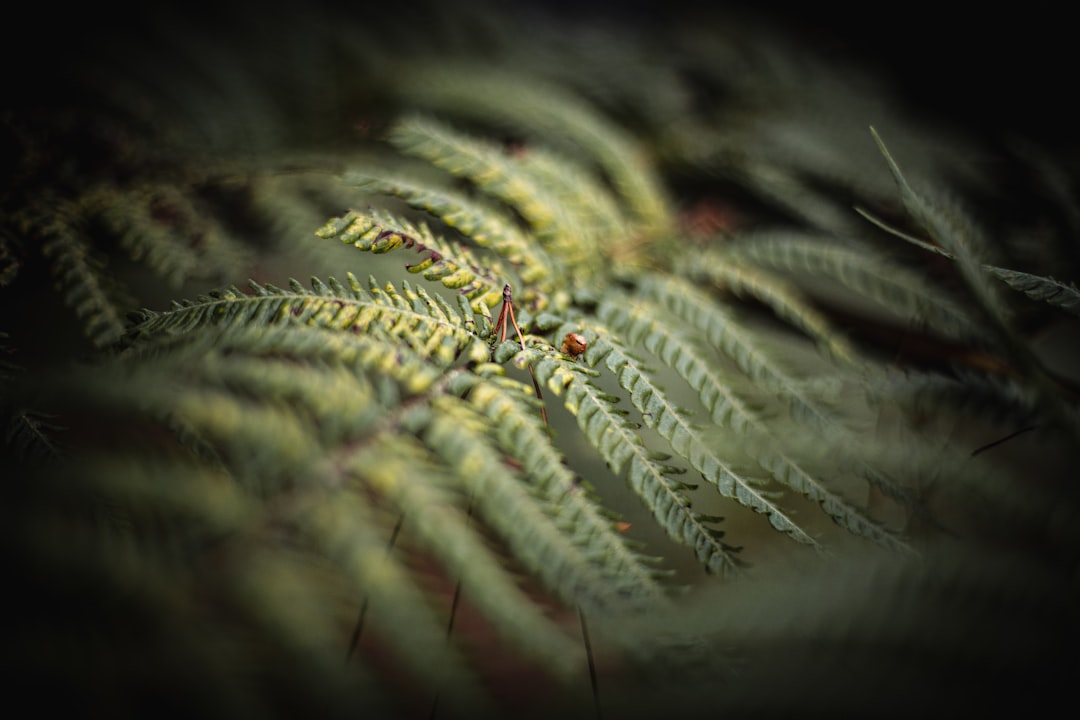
x=574 y=345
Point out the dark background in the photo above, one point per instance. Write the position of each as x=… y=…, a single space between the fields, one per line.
x=1007 y=66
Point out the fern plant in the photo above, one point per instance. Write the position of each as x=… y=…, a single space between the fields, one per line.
x=575 y=460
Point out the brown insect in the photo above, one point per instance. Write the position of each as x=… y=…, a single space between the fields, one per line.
x=574 y=344
x=507 y=320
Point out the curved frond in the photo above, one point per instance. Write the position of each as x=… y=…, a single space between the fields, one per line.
x=444 y=530
x=29 y=436
x=649 y=324
x=444 y=261
x=371 y=498
x=168 y=229
x=1037 y=287
x=483 y=225
x=94 y=294
x=786 y=301
x=550 y=114
x=770 y=451
x=557 y=213
x=954 y=230
x=487 y=165
x=1044 y=289
x=861 y=269
x=344 y=530
x=671 y=423
x=385 y=310
x=519 y=434
x=596 y=212
x=622 y=447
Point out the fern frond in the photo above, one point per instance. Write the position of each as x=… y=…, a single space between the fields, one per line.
x=434 y=326
x=29 y=436
x=647 y=323
x=310 y=456
x=131 y=216
x=297 y=597
x=520 y=436
x=335 y=399
x=483 y=225
x=445 y=532
x=362 y=354
x=596 y=211
x=620 y=444
x=1037 y=287
x=587 y=569
x=94 y=295
x=861 y=269
x=1043 y=289
x=485 y=164
x=668 y=420
x=262 y=480
x=344 y=529
x=550 y=114
x=963 y=394
x=444 y=261
x=780 y=296
x=503 y=178
x=237 y=429
x=723 y=331
x=102 y=536
x=954 y=231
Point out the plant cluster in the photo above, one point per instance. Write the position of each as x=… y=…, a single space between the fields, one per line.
x=658 y=379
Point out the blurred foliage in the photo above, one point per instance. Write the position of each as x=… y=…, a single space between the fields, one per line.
x=817 y=456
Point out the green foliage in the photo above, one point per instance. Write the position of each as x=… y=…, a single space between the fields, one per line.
x=418 y=474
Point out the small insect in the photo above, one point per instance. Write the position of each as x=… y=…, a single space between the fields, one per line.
x=574 y=344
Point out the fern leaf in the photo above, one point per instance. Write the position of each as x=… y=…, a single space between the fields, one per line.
x=596 y=212
x=1037 y=287
x=547 y=112
x=1043 y=289
x=434 y=326
x=483 y=225
x=671 y=422
x=94 y=295
x=336 y=400
x=766 y=449
x=361 y=354
x=130 y=216
x=29 y=435
x=521 y=437
x=445 y=532
x=788 y=304
x=954 y=231
x=344 y=529
x=725 y=406
x=483 y=163
x=295 y=596
x=444 y=261
x=621 y=446
x=237 y=430
x=727 y=334
x=1001 y=399
x=861 y=269
x=94 y=539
